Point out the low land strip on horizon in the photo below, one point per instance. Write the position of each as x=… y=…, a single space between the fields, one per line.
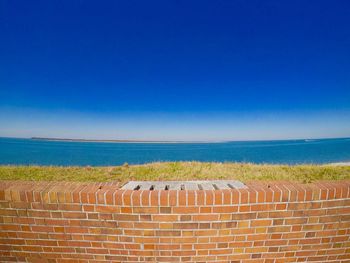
x=116 y=141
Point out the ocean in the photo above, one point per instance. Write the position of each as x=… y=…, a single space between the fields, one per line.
x=41 y=152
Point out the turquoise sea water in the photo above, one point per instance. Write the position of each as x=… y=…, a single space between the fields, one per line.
x=27 y=151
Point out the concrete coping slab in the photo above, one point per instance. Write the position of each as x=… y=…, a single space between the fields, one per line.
x=184 y=185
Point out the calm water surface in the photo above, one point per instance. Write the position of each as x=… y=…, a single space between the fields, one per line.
x=27 y=151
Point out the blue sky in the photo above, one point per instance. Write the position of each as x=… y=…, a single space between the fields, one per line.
x=175 y=70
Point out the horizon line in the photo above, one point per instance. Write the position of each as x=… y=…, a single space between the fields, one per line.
x=161 y=141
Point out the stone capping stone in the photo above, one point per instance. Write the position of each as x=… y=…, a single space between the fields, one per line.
x=184 y=185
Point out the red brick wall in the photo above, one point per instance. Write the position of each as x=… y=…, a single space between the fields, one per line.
x=268 y=222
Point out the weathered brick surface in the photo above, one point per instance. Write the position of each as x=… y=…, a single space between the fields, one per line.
x=268 y=222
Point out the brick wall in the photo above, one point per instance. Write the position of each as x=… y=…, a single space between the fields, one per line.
x=268 y=222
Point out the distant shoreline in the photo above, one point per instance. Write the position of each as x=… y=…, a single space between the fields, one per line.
x=115 y=141
x=340 y=164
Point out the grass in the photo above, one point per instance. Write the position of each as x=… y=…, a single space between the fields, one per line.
x=177 y=171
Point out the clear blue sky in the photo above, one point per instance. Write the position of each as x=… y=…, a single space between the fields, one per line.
x=191 y=70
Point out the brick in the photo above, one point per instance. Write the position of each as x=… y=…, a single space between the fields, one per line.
x=76 y=215
x=125 y=217
x=185 y=225
x=164 y=198
x=185 y=218
x=165 y=218
x=185 y=210
x=145 y=210
x=118 y=197
x=218 y=197
x=154 y=198
x=244 y=196
x=206 y=217
x=256 y=223
x=127 y=197
x=182 y=198
x=209 y=197
x=136 y=198
x=191 y=197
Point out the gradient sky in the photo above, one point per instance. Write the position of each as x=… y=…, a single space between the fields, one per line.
x=175 y=70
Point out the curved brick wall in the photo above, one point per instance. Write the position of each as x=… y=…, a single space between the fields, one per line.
x=268 y=222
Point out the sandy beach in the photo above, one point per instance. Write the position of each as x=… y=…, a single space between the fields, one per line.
x=341 y=164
